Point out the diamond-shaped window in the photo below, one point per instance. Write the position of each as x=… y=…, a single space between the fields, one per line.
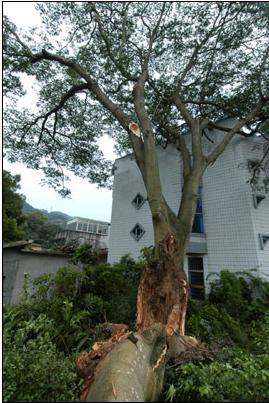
x=263 y=240
x=137 y=232
x=257 y=199
x=138 y=201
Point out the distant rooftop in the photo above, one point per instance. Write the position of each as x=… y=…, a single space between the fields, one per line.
x=84 y=219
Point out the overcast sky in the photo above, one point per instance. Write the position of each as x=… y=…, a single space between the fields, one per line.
x=86 y=200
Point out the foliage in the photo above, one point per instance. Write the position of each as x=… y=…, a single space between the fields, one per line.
x=54 y=217
x=217 y=64
x=58 y=316
x=39 y=229
x=33 y=368
x=236 y=314
x=210 y=322
x=235 y=301
x=13 y=219
x=67 y=311
x=117 y=286
x=244 y=295
x=85 y=254
x=237 y=376
x=78 y=299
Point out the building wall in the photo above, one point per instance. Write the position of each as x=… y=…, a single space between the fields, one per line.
x=231 y=222
x=16 y=263
x=127 y=184
x=260 y=214
x=98 y=241
x=228 y=223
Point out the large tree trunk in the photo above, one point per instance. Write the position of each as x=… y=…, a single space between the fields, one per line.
x=163 y=293
x=130 y=366
x=133 y=371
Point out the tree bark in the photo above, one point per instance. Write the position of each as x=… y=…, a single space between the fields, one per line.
x=162 y=293
x=133 y=371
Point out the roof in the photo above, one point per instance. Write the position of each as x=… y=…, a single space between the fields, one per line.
x=17 y=244
x=88 y=220
x=31 y=247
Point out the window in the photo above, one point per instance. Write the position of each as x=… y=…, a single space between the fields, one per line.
x=92 y=228
x=196 y=277
x=138 y=201
x=264 y=239
x=198 y=223
x=102 y=229
x=252 y=164
x=257 y=199
x=84 y=227
x=79 y=226
x=137 y=232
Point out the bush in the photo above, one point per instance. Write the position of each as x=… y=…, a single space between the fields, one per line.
x=236 y=313
x=237 y=376
x=210 y=323
x=117 y=286
x=243 y=295
x=55 y=320
x=33 y=368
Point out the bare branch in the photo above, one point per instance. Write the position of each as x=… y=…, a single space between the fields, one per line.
x=181 y=107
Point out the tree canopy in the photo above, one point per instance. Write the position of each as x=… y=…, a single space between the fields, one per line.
x=101 y=66
x=39 y=229
x=13 y=219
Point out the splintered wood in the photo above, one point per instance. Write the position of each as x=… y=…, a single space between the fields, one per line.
x=87 y=361
x=134 y=128
x=163 y=291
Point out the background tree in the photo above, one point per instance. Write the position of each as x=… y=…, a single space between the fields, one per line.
x=13 y=219
x=39 y=229
x=146 y=74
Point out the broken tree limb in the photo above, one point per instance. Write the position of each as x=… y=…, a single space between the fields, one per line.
x=133 y=368
x=131 y=371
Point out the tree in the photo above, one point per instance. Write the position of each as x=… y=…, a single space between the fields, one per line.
x=13 y=219
x=38 y=228
x=147 y=74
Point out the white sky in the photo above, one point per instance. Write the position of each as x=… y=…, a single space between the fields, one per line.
x=86 y=199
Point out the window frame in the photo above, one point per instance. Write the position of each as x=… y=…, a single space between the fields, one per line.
x=263 y=242
x=138 y=207
x=255 y=197
x=141 y=235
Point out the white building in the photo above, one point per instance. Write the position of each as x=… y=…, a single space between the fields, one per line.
x=231 y=228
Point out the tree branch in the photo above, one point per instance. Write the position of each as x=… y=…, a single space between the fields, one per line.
x=230 y=134
x=104 y=36
x=181 y=107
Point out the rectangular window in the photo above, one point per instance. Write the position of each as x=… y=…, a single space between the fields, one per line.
x=84 y=227
x=92 y=228
x=198 y=223
x=196 y=277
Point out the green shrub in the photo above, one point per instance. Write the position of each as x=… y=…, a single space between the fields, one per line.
x=237 y=376
x=33 y=369
x=117 y=286
x=210 y=322
x=259 y=335
x=244 y=295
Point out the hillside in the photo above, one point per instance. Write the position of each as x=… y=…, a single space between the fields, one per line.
x=54 y=217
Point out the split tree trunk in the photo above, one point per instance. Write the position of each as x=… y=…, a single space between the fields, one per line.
x=131 y=366
x=163 y=293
